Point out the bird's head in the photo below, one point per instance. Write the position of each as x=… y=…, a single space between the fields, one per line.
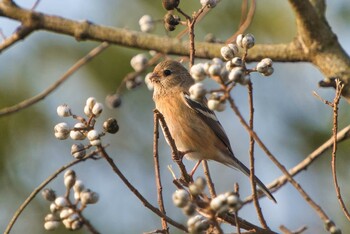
x=170 y=74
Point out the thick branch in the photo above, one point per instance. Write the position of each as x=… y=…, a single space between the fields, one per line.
x=88 y=31
x=319 y=43
x=315 y=42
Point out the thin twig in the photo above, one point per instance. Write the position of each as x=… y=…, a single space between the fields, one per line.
x=40 y=187
x=137 y=193
x=28 y=102
x=251 y=157
x=339 y=88
x=20 y=33
x=208 y=179
x=247 y=21
x=175 y=153
x=157 y=171
x=303 y=193
x=342 y=135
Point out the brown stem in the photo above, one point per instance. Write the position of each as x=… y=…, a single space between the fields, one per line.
x=40 y=187
x=209 y=179
x=137 y=193
x=335 y=105
x=175 y=153
x=31 y=101
x=157 y=171
x=342 y=135
x=303 y=193
x=251 y=157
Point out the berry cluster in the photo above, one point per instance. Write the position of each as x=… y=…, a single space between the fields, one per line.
x=228 y=74
x=189 y=200
x=63 y=209
x=85 y=128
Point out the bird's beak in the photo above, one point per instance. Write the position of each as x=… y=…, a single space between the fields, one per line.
x=154 y=77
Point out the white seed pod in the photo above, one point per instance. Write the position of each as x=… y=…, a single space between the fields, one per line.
x=261 y=67
x=194 y=190
x=51 y=225
x=245 y=80
x=234 y=48
x=224 y=74
x=69 y=172
x=209 y=3
x=76 y=196
x=49 y=194
x=95 y=142
x=229 y=65
x=64 y=111
x=206 y=67
x=226 y=53
x=269 y=71
x=194 y=219
x=88 y=197
x=69 y=178
x=53 y=207
x=76 y=225
x=78 y=134
x=181 y=198
x=197 y=72
x=221 y=106
x=61 y=131
x=189 y=209
x=248 y=41
x=139 y=62
x=97 y=109
x=215 y=95
x=93 y=135
x=237 y=62
x=334 y=230
x=197 y=91
x=61 y=202
x=67 y=224
x=148 y=82
x=69 y=181
x=146 y=23
x=236 y=74
x=90 y=102
x=66 y=212
x=213 y=104
x=239 y=39
x=219 y=204
x=201 y=226
x=215 y=69
x=233 y=201
x=78 y=186
x=218 y=61
x=51 y=217
x=78 y=150
x=200 y=183
x=267 y=61
x=87 y=111
x=73 y=217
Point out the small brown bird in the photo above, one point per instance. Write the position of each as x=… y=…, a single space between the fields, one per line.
x=194 y=127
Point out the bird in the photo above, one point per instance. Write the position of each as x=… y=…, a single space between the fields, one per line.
x=195 y=128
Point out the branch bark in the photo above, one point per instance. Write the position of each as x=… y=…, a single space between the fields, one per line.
x=315 y=42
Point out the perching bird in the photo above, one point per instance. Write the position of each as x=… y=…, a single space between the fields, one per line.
x=194 y=127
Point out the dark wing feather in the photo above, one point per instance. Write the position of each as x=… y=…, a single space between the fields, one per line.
x=209 y=117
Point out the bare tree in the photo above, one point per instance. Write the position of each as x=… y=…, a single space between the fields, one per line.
x=227 y=64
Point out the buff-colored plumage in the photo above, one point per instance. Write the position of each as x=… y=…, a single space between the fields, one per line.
x=194 y=128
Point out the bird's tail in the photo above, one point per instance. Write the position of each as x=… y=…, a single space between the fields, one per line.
x=240 y=166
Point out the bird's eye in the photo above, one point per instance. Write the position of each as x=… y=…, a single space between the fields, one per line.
x=167 y=72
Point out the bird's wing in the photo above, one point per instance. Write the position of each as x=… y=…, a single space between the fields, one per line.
x=209 y=117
